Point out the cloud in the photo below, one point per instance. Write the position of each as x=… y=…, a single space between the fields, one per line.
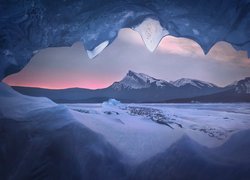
x=180 y=46
x=224 y=52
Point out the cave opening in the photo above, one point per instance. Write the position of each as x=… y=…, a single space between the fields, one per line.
x=146 y=92
x=70 y=67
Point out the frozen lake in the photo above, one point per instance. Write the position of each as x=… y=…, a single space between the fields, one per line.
x=152 y=128
x=41 y=139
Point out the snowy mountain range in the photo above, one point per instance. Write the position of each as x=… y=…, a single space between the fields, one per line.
x=238 y=91
x=139 y=87
x=135 y=80
x=193 y=82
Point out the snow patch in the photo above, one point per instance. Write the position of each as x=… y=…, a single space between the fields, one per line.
x=196 y=83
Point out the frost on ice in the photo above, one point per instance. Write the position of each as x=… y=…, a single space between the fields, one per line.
x=104 y=141
x=151 y=32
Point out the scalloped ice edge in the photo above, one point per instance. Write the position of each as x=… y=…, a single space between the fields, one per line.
x=206 y=23
x=97 y=50
x=152 y=33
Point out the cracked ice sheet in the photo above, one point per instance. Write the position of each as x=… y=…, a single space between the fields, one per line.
x=139 y=138
x=202 y=121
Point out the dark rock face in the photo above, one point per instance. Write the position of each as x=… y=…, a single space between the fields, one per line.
x=27 y=26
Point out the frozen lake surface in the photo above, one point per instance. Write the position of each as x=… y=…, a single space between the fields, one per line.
x=44 y=140
x=142 y=130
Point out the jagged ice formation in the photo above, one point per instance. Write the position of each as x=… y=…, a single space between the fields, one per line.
x=27 y=26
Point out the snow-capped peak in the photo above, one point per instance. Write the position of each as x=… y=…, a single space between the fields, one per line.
x=134 y=80
x=197 y=83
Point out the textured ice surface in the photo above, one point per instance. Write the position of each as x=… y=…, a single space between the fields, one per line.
x=27 y=26
x=208 y=124
x=151 y=32
x=43 y=140
x=98 y=49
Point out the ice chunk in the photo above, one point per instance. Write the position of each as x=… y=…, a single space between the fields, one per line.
x=151 y=32
x=112 y=103
x=97 y=50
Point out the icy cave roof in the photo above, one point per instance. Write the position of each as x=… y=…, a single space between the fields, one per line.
x=28 y=26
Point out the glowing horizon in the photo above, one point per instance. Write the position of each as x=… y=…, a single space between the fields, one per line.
x=174 y=58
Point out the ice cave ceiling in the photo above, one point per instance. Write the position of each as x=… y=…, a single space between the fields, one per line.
x=28 y=26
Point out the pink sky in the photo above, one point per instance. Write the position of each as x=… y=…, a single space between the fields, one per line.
x=58 y=68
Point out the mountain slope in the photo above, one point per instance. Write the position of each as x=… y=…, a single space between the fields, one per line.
x=134 y=80
x=197 y=83
x=237 y=92
x=243 y=86
x=57 y=94
x=139 y=87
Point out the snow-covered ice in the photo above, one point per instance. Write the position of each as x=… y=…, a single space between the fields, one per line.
x=40 y=138
x=140 y=136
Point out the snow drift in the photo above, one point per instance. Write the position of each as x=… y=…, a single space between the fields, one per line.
x=43 y=140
